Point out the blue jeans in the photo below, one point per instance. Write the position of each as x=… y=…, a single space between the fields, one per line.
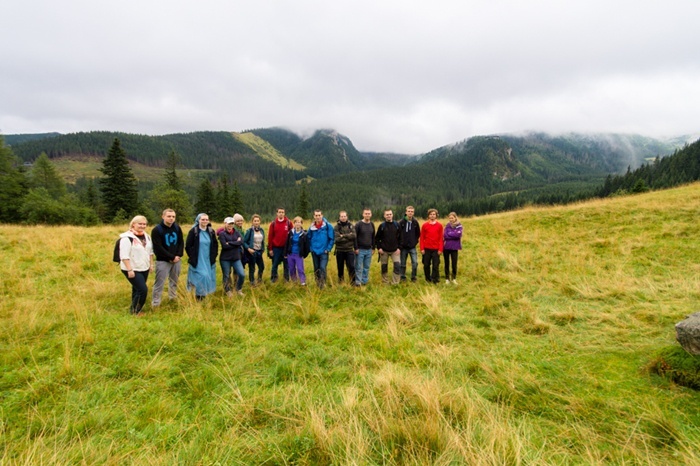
x=320 y=264
x=364 y=261
x=237 y=267
x=414 y=263
x=277 y=259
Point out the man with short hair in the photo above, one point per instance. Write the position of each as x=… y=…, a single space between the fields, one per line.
x=168 y=247
x=277 y=243
x=364 y=231
x=409 y=236
x=345 y=246
x=321 y=237
x=387 y=242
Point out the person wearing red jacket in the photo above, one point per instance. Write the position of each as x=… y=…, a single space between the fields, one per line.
x=277 y=244
x=431 y=245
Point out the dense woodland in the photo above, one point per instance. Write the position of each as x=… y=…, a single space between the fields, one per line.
x=473 y=177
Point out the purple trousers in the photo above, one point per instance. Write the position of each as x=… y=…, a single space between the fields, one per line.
x=296 y=266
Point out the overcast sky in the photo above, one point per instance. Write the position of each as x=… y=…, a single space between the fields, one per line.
x=403 y=76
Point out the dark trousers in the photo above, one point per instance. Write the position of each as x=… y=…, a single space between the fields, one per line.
x=320 y=262
x=139 y=290
x=431 y=265
x=343 y=259
x=450 y=256
x=277 y=259
x=256 y=259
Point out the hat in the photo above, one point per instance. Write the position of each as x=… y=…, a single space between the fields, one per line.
x=237 y=217
x=228 y=220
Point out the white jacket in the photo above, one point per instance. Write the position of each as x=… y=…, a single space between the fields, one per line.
x=130 y=247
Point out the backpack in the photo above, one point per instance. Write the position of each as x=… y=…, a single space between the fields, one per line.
x=116 y=256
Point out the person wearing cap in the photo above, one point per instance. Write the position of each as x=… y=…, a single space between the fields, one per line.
x=230 y=257
x=169 y=247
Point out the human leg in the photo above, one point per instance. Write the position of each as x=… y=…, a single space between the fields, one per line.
x=226 y=271
x=139 y=290
x=174 y=276
x=396 y=259
x=404 y=255
x=240 y=274
x=414 y=264
x=162 y=270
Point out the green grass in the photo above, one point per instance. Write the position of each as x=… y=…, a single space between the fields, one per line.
x=543 y=354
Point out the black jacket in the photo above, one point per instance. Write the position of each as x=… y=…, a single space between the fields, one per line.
x=409 y=233
x=192 y=246
x=387 y=238
x=168 y=242
x=304 y=247
x=231 y=245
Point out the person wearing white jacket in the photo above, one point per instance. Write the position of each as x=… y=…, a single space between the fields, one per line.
x=136 y=260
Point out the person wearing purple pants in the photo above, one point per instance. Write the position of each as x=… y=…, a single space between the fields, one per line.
x=297 y=249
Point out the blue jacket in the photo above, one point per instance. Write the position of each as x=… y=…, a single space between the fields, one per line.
x=321 y=239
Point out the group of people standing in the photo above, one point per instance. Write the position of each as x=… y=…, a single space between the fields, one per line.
x=288 y=244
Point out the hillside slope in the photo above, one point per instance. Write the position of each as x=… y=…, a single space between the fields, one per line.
x=538 y=356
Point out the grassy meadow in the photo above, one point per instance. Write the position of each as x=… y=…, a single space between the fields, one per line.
x=540 y=355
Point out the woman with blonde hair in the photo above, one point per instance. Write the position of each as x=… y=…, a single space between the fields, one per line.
x=136 y=260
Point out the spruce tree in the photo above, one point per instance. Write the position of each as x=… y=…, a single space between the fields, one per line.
x=12 y=185
x=223 y=200
x=303 y=207
x=119 y=185
x=171 y=164
x=236 y=199
x=206 y=202
x=44 y=175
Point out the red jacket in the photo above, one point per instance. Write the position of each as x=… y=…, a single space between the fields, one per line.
x=278 y=232
x=431 y=236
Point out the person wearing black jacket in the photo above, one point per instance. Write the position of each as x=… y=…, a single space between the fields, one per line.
x=345 y=247
x=387 y=242
x=409 y=235
x=230 y=258
x=202 y=248
x=168 y=247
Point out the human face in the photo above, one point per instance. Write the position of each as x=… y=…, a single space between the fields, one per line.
x=388 y=215
x=256 y=222
x=239 y=223
x=318 y=217
x=140 y=226
x=203 y=222
x=343 y=216
x=452 y=218
x=367 y=215
x=432 y=216
x=280 y=214
x=169 y=218
x=229 y=227
x=409 y=213
x=298 y=225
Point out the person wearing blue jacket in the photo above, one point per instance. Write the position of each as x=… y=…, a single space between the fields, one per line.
x=321 y=238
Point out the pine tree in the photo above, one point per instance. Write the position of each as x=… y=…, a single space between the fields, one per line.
x=12 y=185
x=223 y=200
x=303 y=207
x=206 y=202
x=44 y=175
x=236 y=199
x=119 y=185
x=171 y=164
